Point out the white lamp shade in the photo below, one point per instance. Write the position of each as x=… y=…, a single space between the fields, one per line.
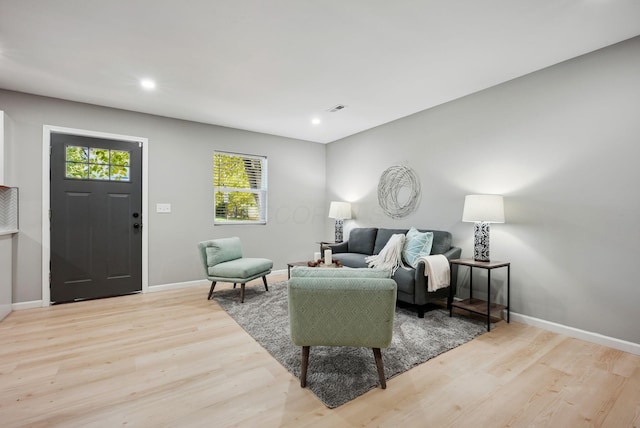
x=340 y=210
x=486 y=208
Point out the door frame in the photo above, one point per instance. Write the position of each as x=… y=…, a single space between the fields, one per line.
x=47 y=130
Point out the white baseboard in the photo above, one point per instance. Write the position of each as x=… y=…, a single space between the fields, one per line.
x=176 y=285
x=152 y=288
x=599 y=339
x=26 y=305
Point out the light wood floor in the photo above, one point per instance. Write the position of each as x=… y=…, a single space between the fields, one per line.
x=173 y=358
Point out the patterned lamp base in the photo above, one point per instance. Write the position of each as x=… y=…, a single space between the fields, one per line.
x=339 y=227
x=481 y=241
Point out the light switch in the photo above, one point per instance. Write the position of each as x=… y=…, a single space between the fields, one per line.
x=163 y=208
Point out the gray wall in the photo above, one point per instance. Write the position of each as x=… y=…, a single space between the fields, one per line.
x=180 y=173
x=562 y=145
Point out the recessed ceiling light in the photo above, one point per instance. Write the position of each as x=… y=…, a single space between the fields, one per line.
x=148 y=84
x=315 y=121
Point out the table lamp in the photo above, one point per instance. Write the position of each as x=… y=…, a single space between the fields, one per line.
x=482 y=210
x=339 y=211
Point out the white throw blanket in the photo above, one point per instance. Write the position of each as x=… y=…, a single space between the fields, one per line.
x=437 y=270
x=390 y=257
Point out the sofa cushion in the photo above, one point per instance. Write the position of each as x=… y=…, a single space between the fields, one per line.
x=354 y=260
x=223 y=250
x=383 y=236
x=441 y=241
x=416 y=245
x=361 y=240
x=314 y=272
x=241 y=268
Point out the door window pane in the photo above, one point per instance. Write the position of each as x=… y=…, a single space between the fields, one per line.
x=76 y=154
x=94 y=163
x=98 y=172
x=77 y=170
x=119 y=173
x=99 y=156
x=119 y=157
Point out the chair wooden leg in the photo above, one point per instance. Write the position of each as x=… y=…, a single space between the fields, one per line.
x=241 y=293
x=213 y=285
x=305 y=364
x=380 y=365
x=264 y=279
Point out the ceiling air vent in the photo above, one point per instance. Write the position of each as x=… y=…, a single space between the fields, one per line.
x=337 y=108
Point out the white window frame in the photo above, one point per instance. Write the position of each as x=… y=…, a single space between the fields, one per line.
x=262 y=192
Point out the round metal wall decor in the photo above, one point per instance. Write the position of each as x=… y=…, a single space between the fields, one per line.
x=398 y=191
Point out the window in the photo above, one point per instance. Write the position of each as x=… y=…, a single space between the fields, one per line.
x=93 y=163
x=240 y=187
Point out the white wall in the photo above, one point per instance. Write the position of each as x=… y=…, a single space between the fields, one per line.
x=562 y=145
x=180 y=173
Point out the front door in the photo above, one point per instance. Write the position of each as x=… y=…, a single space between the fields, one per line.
x=96 y=217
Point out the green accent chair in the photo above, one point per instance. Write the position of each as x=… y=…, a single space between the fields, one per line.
x=341 y=307
x=223 y=262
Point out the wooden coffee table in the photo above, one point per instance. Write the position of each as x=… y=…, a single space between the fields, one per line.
x=321 y=265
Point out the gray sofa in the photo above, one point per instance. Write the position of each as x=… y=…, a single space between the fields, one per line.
x=412 y=284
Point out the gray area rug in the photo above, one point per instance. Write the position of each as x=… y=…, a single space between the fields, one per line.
x=337 y=375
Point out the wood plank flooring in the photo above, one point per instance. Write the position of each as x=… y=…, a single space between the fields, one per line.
x=172 y=358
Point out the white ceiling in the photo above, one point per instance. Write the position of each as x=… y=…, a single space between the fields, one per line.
x=273 y=65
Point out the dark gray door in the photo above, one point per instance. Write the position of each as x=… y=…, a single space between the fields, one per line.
x=96 y=217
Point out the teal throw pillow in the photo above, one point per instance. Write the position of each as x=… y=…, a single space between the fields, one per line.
x=416 y=245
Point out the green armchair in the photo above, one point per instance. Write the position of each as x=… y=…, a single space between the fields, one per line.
x=341 y=307
x=223 y=262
